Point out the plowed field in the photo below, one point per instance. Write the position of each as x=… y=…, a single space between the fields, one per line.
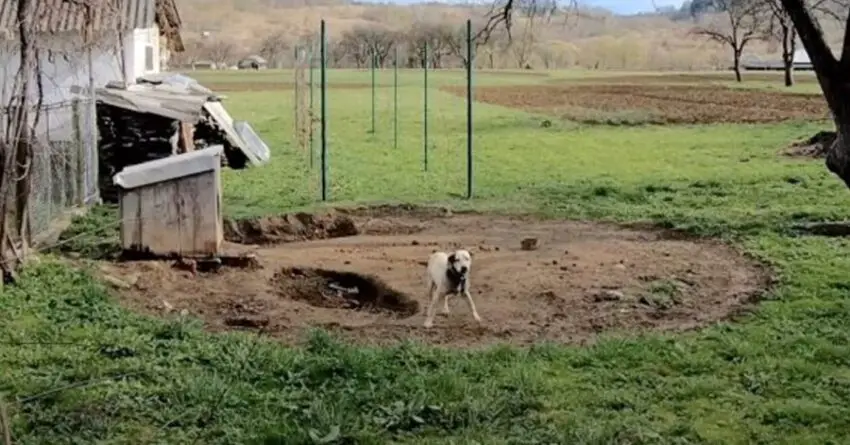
x=656 y=104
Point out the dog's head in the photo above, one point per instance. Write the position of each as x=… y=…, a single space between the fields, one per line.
x=460 y=261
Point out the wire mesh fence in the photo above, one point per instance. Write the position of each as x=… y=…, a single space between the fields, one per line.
x=63 y=173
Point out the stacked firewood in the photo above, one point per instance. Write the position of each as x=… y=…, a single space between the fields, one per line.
x=129 y=138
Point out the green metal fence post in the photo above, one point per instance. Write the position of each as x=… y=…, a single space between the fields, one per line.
x=395 y=98
x=425 y=117
x=374 y=62
x=324 y=105
x=297 y=108
x=310 y=115
x=469 y=109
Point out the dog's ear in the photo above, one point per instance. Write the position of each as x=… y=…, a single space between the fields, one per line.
x=452 y=259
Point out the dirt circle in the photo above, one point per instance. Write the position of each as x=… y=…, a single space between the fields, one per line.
x=578 y=280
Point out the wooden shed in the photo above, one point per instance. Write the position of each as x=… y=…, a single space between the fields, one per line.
x=173 y=205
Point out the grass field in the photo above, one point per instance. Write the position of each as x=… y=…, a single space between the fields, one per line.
x=77 y=367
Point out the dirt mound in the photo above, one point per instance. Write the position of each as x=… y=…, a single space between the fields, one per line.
x=813 y=147
x=288 y=228
x=616 y=104
x=338 y=223
x=341 y=290
x=582 y=279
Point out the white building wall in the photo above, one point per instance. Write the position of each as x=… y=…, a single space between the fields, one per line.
x=65 y=171
x=143 y=53
x=64 y=69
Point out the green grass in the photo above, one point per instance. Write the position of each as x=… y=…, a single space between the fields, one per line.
x=778 y=375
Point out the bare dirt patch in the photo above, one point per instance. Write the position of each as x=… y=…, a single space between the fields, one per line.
x=582 y=279
x=656 y=104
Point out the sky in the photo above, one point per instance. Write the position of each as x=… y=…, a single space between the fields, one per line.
x=631 y=6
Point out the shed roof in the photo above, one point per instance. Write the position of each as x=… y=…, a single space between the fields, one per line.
x=170 y=168
x=174 y=96
x=55 y=16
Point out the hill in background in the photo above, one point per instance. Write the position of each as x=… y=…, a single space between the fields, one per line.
x=225 y=30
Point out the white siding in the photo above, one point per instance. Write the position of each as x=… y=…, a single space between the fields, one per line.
x=143 y=56
x=63 y=67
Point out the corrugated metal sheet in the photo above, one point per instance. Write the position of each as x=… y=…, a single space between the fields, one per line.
x=55 y=16
x=163 y=100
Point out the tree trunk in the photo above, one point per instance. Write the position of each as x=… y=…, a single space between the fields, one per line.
x=838 y=156
x=831 y=74
x=18 y=152
x=789 y=74
x=737 y=66
x=788 y=50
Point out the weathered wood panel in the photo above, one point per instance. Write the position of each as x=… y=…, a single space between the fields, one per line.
x=180 y=217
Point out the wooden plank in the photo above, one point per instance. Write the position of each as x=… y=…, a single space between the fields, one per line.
x=131 y=224
x=204 y=219
x=186 y=141
x=219 y=223
x=161 y=218
x=187 y=203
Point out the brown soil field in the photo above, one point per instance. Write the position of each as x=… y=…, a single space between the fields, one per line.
x=657 y=104
x=361 y=274
x=701 y=78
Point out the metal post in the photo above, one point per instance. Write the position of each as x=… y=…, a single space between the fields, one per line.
x=469 y=109
x=395 y=98
x=374 y=62
x=310 y=114
x=425 y=117
x=297 y=108
x=324 y=106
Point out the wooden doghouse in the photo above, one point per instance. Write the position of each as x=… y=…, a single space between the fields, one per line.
x=173 y=205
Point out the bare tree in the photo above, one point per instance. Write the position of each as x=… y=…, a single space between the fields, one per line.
x=362 y=43
x=831 y=71
x=275 y=49
x=378 y=42
x=336 y=54
x=352 y=46
x=193 y=52
x=503 y=12
x=435 y=37
x=523 y=47
x=17 y=151
x=219 y=52
x=782 y=30
x=456 y=42
x=746 y=20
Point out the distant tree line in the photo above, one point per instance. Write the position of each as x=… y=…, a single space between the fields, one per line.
x=357 y=47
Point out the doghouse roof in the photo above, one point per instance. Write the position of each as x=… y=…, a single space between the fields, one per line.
x=170 y=168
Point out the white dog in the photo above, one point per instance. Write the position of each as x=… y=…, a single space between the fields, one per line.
x=448 y=274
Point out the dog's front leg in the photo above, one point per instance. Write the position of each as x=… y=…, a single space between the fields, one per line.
x=429 y=317
x=471 y=303
x=446 y=310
